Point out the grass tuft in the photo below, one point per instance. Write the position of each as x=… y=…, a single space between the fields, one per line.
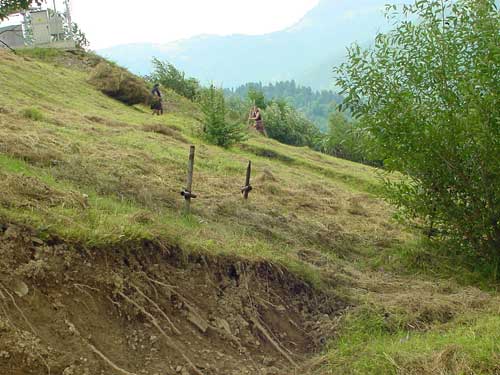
x=32 y=114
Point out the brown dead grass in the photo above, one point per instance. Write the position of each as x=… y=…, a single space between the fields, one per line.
x=165 y=130
x=415 y=304
x=449 y=361
x=119 y=84
x=31 y=142
x=20 y=191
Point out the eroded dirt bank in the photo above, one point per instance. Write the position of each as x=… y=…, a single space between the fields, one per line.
x=144 y=308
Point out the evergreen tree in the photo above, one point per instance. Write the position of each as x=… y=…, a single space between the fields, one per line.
x=216 y=128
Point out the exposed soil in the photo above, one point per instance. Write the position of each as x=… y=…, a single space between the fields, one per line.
x=145 y=308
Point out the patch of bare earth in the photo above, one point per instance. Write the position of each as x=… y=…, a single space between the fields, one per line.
x=145 y=308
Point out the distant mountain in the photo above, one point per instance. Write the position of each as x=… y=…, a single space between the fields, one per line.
x=305 y=52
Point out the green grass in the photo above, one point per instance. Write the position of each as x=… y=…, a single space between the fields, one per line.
x=368 y=345
x=32 y=114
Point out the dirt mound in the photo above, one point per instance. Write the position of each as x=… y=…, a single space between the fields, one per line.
x=147 y=308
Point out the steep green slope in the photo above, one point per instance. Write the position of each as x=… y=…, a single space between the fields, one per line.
x=88 y=145
x=81 y=168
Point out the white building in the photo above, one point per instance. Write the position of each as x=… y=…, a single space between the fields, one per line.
x=11 y=36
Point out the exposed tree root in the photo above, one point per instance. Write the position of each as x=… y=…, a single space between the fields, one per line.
x=170 y=287
x=174 y=328
x=171 y=343
x=277 y=346
x=184 y=300
x=75 y=330
x=25 y=319
x=255 y=320
x=19 y=309
x=86 y=286
x=81 y=288
x=108 y=361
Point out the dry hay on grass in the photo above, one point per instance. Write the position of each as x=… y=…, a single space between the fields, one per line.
x=267 y=153
x=107 y=122
x=7 y=55
x=78 y=60
x=450 y=361
x=412 y=304
x=119 y=84
x=5 y=110
x=136 y=177
x=29 y=192
x=266 y=176
x=35 y=146
x=169 y=131
x=357 y=207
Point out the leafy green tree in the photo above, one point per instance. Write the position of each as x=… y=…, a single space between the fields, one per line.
x=347 y=139
x=78 y=36
x=287 y=125
x=216 y=128
x=169 y=76
x=341 y=139
x=257 y=98
x=427 y=92
x=238 y=109
x=315 y=105
x=12 y=6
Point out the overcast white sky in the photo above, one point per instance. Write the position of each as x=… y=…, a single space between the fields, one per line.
x=111 y=22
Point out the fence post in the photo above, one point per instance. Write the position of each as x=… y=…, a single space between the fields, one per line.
x=247 y=188
x=188 y=193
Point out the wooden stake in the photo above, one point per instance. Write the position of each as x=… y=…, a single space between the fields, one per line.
x=188 y=193
x=247 y=188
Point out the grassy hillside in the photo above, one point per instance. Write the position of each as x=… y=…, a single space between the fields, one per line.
x=105 y=173
x=84 y=169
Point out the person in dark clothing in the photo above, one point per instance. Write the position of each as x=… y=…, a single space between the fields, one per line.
x=156 y=104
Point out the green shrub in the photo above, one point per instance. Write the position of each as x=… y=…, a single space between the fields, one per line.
x=428 y=94
x=119 y=84
x=285 y=124
x=169 y=76
x=257 y=98
x=347 y=139
x=32 y=114
x=216 y=128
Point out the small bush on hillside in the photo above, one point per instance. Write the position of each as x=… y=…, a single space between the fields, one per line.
x=285 y=124
x=216 y=128
x=32 y=113
x=119 y=84
x=169 y=76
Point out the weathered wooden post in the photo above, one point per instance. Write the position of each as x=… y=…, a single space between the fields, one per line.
x=188 y=193
x=245 y=190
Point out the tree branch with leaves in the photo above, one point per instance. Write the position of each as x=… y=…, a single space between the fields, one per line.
x=8 y=7
x=427 y=92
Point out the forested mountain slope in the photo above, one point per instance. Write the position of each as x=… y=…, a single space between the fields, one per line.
x=305 y=52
